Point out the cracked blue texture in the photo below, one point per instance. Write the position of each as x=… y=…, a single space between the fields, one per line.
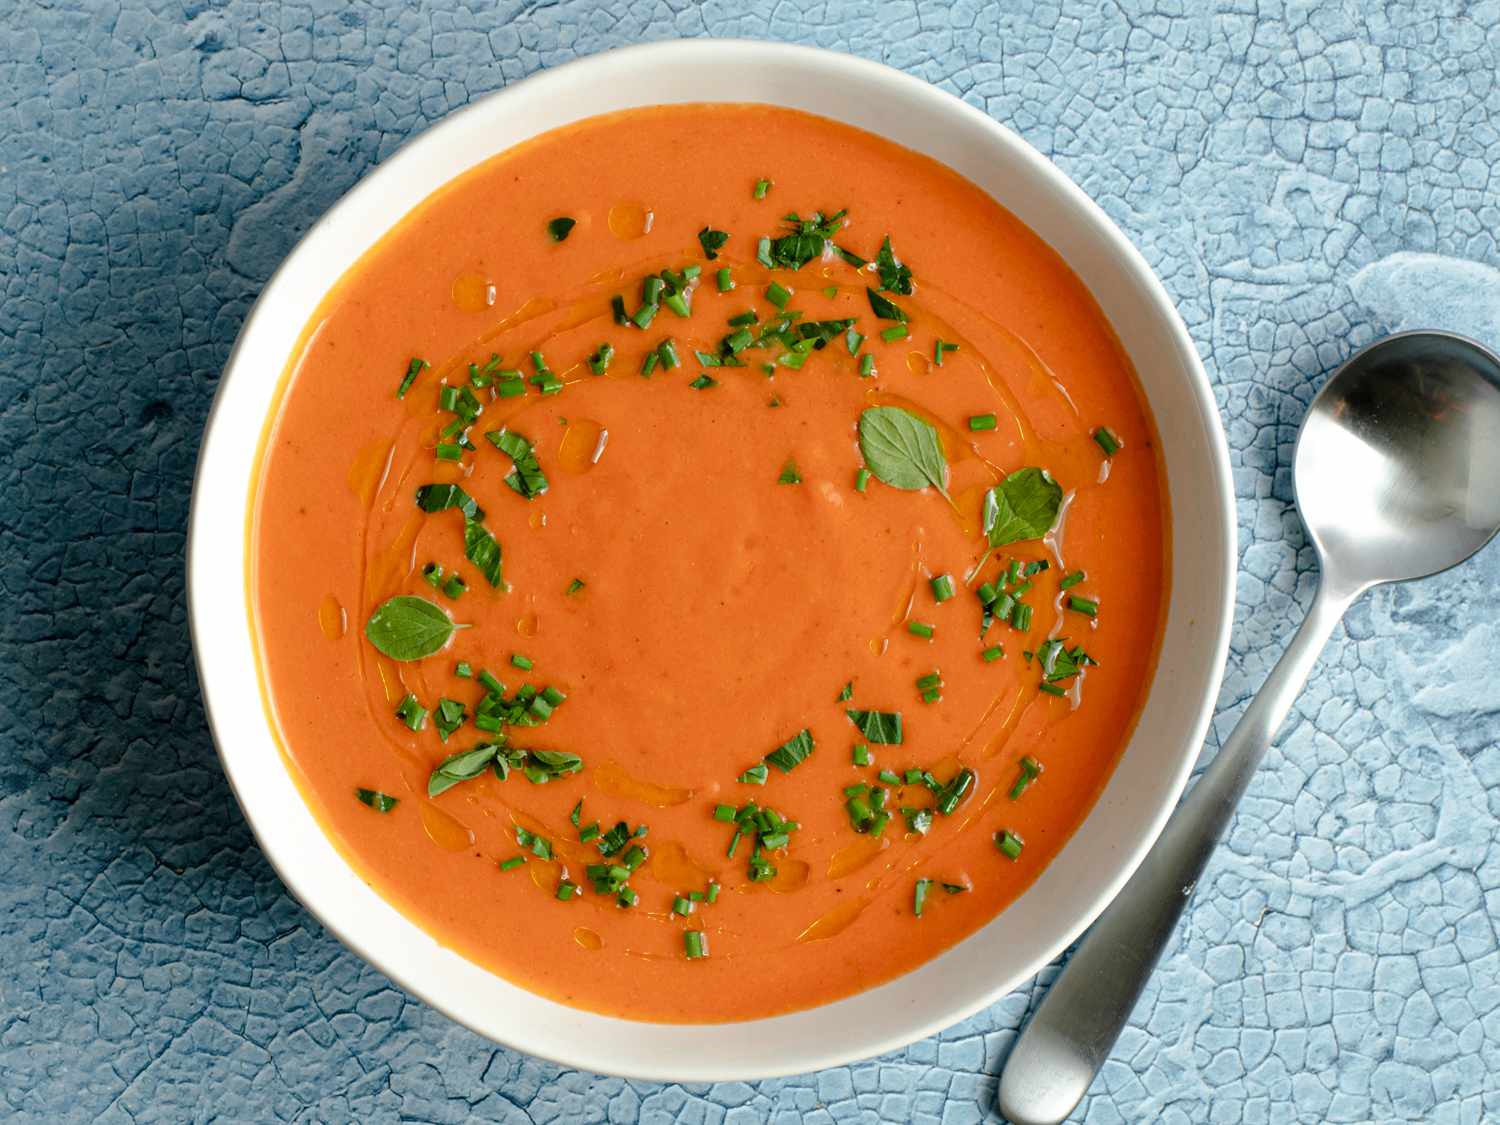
x=1303 y=176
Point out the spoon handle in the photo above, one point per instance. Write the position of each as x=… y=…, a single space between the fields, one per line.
x=1075 y=1027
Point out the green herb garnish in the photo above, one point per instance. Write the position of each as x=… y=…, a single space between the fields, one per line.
x=1009 y=843
x=792 y=752
x=380 y=802
x=409 y=628
x=712 y=241
x=789 y=473
x=525 y=478
x=413 y=369
x=1022 y=506
x=1108 y=441
x=942 y=587
x=884 y=308
x=761 y=188
x=561 y=227
x=902 y=450
x=880 y=727
x=919 y=897
x=441 y=497
x=982 y=422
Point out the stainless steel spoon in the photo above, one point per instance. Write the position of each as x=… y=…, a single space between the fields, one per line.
x=1397 y=476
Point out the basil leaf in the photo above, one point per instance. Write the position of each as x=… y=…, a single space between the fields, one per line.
x=544 y=765
x=884 y=308
x=380 y=802
x=882 y=727
x=441 y=497
x=793 y=752
x=463 y=766
x=482 y=549
x=901 y=449
x=525 y=477
x=409 y=628
x=712 y=241
x=1022 y=506
x=895 y=276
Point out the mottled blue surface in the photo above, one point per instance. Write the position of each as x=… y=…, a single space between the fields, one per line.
x=1303 y=176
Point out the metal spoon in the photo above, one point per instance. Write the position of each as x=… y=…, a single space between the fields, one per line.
x=1397 y=476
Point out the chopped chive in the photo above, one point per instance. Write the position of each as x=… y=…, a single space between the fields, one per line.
x=919 y=897
x=512 y=863
x=992 y=654
x=628 y=896
x=763 y=253
x=941 y=348
x=987 y=594
x=724 y=813
x=413 y=369
x=744 y=319
x=682 y=906
x=678 y=303
x=895 y=332
x=861 y=480
x=667 y=349
x=1020 y=618
x=1108 y=441
x=645 y=315
x=866 y=365
x=455 y=586
x=856 y=790
x=890 y=777
x=950 y=796
x=778 y=294
x=712 y=894
x=693 y=941
x=789 y=473
x=703 y=382
x=1031 y=769
x=853 y=340
x=574 y=586
x=589 y=834
x=561 y=227
x=1053 y=689
x=648 y=365
x=1086 y=606
x=861 y=756
x=920 y=629
x=491 y=685
x=726 y=280
x=1036 y=566
x=1009 y=843
x=464 y=669
x=1071 y=580
x=931 y=695
x=599 y=361
x=449 y=451
x=846 y=692
x=522 y=662
x=929 y=681
x=566 y=891
x=981 y=422
x=942 y=587
x=761 y=188
x=510 y=386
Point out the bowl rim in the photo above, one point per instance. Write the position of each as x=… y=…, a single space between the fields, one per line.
x=832 y=66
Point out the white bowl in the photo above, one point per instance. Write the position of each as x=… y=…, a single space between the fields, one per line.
x=1106 y=848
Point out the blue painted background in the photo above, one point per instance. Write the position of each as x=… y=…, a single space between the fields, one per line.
x=1303 y=175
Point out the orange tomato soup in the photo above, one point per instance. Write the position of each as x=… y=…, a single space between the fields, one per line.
x=873 y=537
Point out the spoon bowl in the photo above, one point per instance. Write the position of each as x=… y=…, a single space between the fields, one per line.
x=1396 y=472
x=1398 y=460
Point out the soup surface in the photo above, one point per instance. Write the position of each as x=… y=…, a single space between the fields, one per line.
x=706 y=561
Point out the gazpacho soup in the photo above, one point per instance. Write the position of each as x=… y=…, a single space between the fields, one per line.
x=706 y=561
